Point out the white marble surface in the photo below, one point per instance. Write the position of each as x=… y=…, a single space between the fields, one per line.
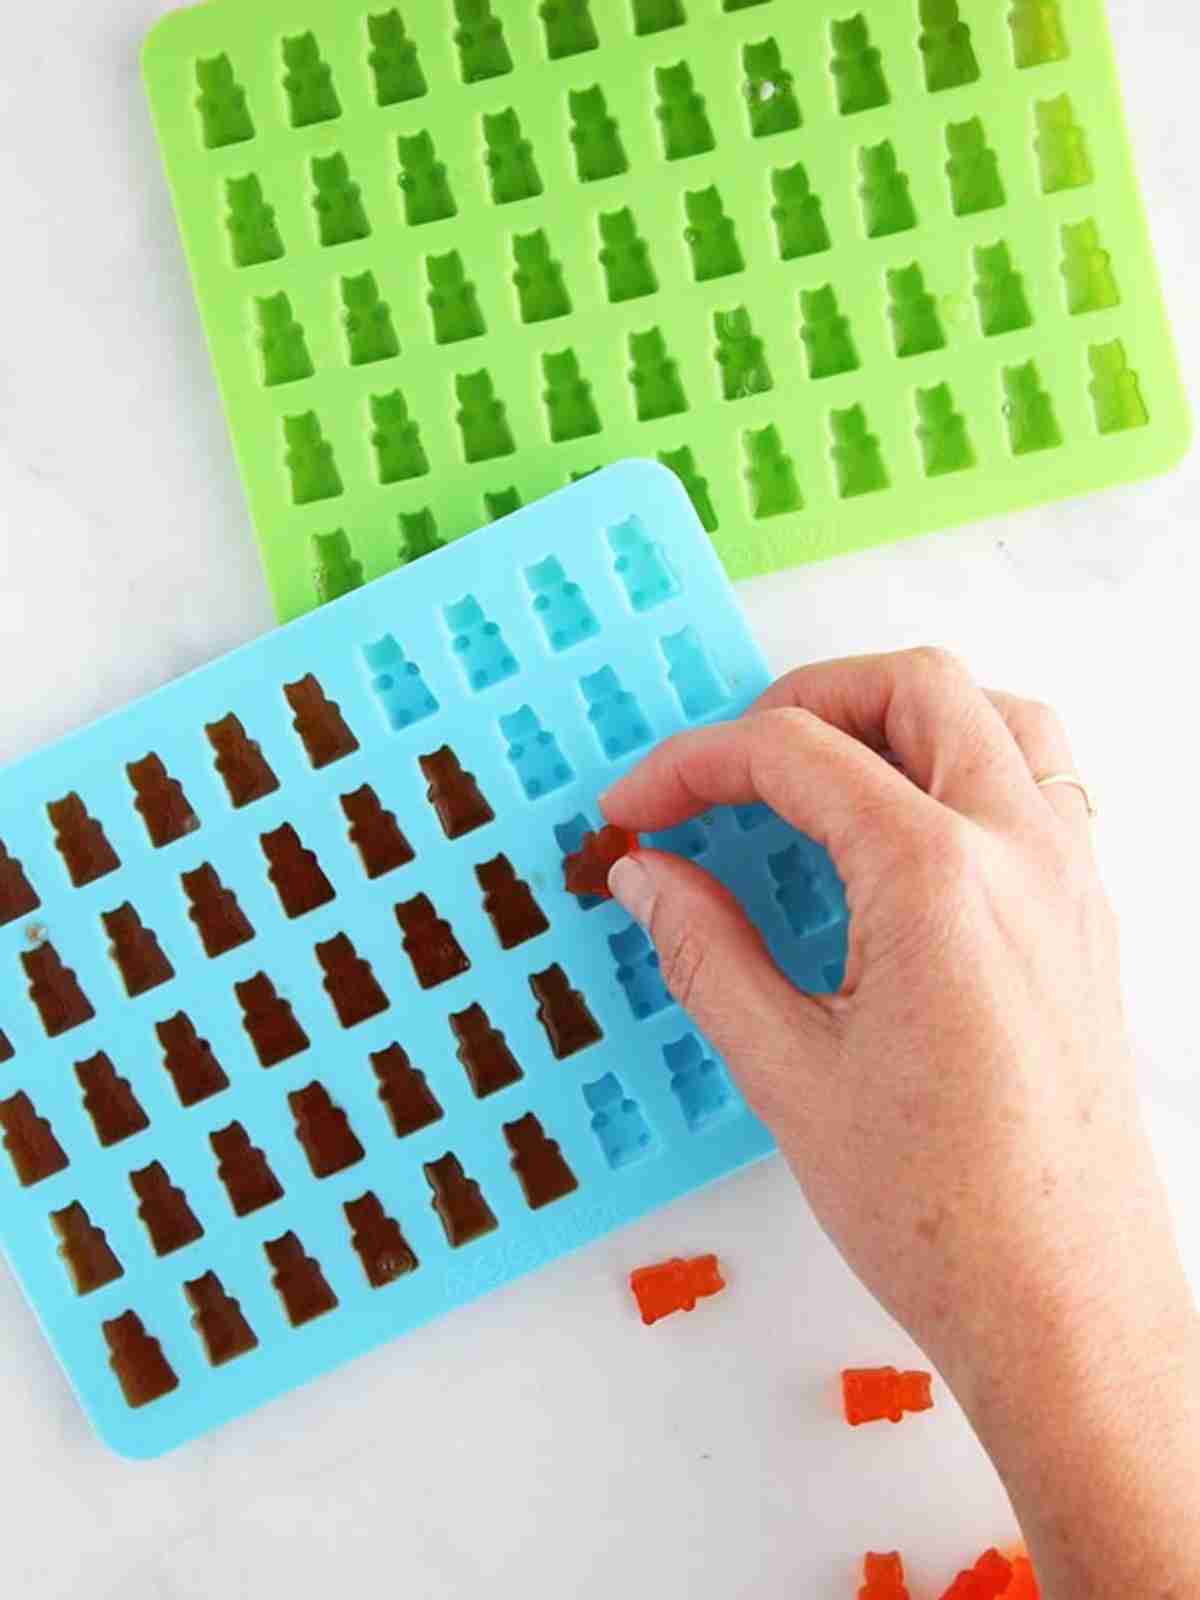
x=541 y=1443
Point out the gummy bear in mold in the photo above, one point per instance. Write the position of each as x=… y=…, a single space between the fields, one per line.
x=1063 y=159
x=570 y=410
x=244 y=1171
x=945 y=44
x=570 y=30
x=804 y=894
x=534 y=753
x=244 y=770
x=1087 y=270
x=886 y=202
x=769 y=90
x=454 y=794
x=508 y=156
x=654 y=376
x=638 y=972
x=458 y=1200
x=319 y=722
x=913 y=313
x=857 y=68
x=136 y=951
x=338 y=203
x=311 y=466
x=161 y=802
x=427 y=194
x=481 y=418
x=942 y=433
x=224 y=112
x=770 y=474
x=395 y=65
x=452 y=300
x=656 y=16
x=1000 y=292
x=398 y=684
x=189 y=1061
x=281 y=342
x=220 y=922
x=351 y=985
x=308 y=83
x=740 y=355
x=370 y=335
x=563 y=1013
x=85 y=1249
x=336 y=572
x=137 y=1359
x=587 y=868
x=698 y=686
x=375 y=833
x=1115 y=390
x=1038 y=35
x=682 y=116
x=538 y=1162
x=698 y=1082
x=410 y=1103
x=683 y=464
x=1029 y=409
x=711 y=237
x=109 y=1101
x=218 y=1319
x=378 y=1241
x=571 y=836
x=800 y=228
x=641 y=565
x=299 y=1280
x=973 y=170
x=29 y=1139
x=621 y=1130
x=857 y=459
x=164 y=1210
x=560 y=605
x=625 y=257
x=541 y=291
x=826 y=335
x=419 y=535
x=55 y=991
x=254 y=237
x=324 y=1131
x=509 y=903
x=483 y=1050
x=18 y=898
x=429 y=943
x=6 y=1050
x=595 y=136
x=396 y=440
x=614 y=714
x=295 y=872
x=269 y=1021
x=479 y=644
x=81 y=841
x=479 y=38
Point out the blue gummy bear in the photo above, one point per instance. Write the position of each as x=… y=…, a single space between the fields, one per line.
x=804 y=893
x=479 y=644
x=638 y=973
x=751 y=817
x=689 y=839
x=398 y=683
x=697 y=1081
x=641 y=566
x=617 y=1121
x=697 y=686
x=560 y=605
x=614 y=714
x=570 y=836
x=540 y=764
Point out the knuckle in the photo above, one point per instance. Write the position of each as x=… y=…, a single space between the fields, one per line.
x=947 y=861
x=933 y=661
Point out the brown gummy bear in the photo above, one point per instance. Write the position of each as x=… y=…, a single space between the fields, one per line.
x=376 y=833
x=61 y=1003
x=319 y=722
x=110 y=1102
x=377 y=1238
x=483 y=1051
x=29 y=1139
x=85 y=1249
x=218 y=1320
x=189 y=1060
x=563 y=1012
x=454 y=794
x=296 y=873
x=429 y=943
x=161 y=802
x=508 y=901
x=458 y=1201
x=538 y=1163
x=136 y=951
x=215 y=913
x=244 y=1170
x=246 y=773
x=81 y=841
x=587 y=871
x=142 y=1370
x=164 y=1209
x=349 y=982
x=6 y=1049
x=299 y=1280
x=17 y=895
x=324 y=1131
x=410 y=1101
x=273 y=1029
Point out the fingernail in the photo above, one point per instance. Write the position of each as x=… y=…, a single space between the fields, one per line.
x=632 y=886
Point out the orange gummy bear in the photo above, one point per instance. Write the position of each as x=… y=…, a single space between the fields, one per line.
x=1024 y=1585
x=875 y=1393
x=883 y=1578
x=675 y=1286
x=587 y=870
x=988 y=1579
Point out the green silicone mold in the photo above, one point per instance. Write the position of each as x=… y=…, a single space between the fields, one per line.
x=851 y=276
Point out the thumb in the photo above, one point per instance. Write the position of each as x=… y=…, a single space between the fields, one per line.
x=715 y=963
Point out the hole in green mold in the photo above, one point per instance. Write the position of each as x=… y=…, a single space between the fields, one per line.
x=857 y=68
x=857 y=459
x=396 y=439
x=800 y=228
x=479 y=37
x=973 y=170
x=308 y=83
x=224 y=114
x=337 y=201
x=1038 y=35
x=541 y=291
x=281 y=343
x=1000 y=292
x=1115 y=390
x=942 y=433
x=453 y=302
x=681 y=114
x=570 y=409
x=656 y=16
x=595 y=137
x=654 y=376
x=916 y=325
x=825 y=333
x=886 y=201
x=1087 y=270
x=1029 y=411
x=770 y=474
x=427 y=196
x=394 y=62
x=628 y=272
x=253 y=235
x=769 y=90
x=370 y=335
x=1062 y=150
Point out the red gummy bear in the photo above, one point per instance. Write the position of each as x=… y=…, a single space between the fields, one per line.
x=1024 y=1585
x=875 y=1393
x=588 y=869
x=883 y=1578
x=675 y=1286
x=988 y=1579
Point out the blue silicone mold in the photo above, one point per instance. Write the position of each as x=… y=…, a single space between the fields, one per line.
x=281 y=888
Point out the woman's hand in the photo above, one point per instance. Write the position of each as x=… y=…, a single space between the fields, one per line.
x=963 y=1115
